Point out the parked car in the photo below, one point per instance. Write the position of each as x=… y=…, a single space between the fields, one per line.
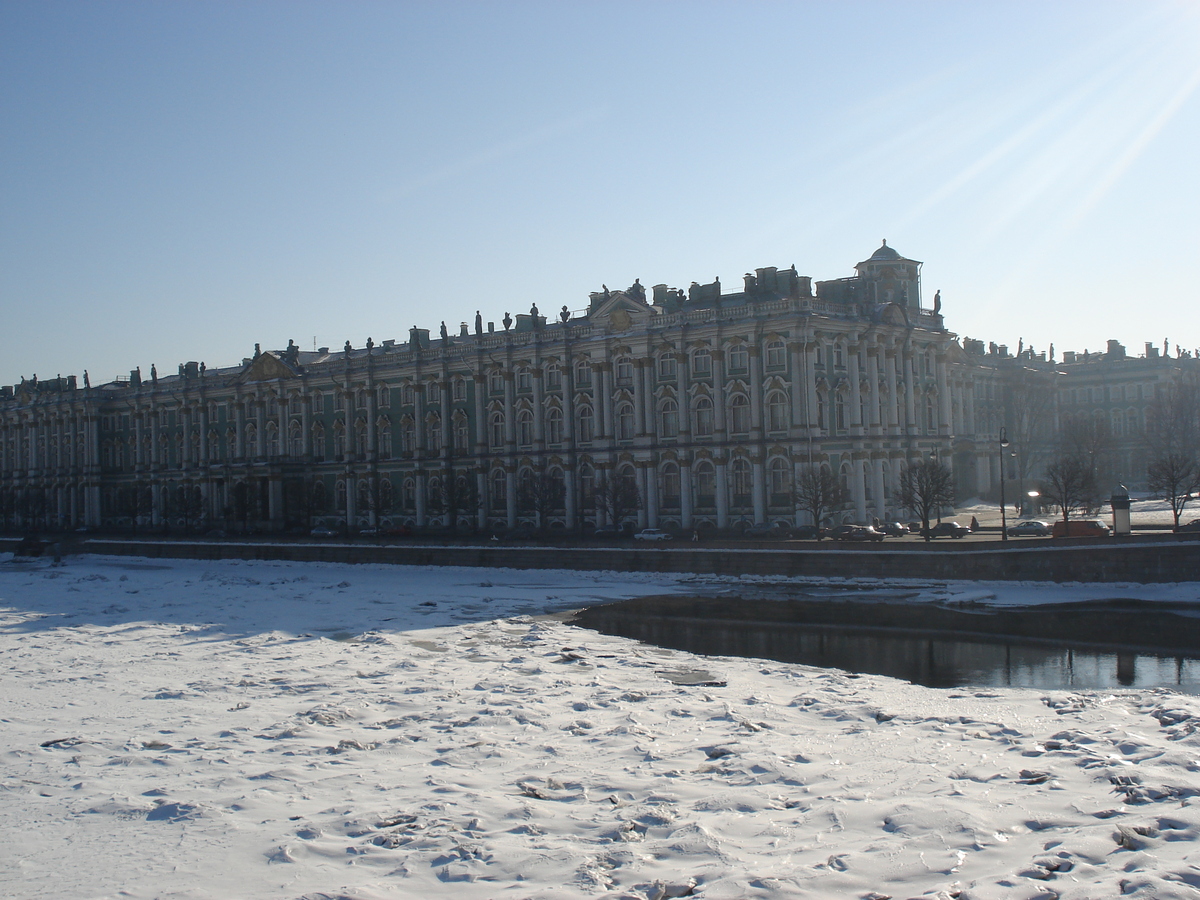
x=607 y=533
x=1081 y=528
x=1193 y=525
x=856 y=533
x=894 y=529
x=775 y=531
x=1032 y=528
x=370 y=532
x=949 y=529
x=323 y=531
x=809 y=533
x=652 y=534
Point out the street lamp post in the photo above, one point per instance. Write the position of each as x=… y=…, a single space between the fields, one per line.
x=1003 y=505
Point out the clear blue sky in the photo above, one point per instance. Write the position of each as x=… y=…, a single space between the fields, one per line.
x=180 y=180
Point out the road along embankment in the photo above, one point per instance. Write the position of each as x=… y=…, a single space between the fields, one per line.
x=1102 y=561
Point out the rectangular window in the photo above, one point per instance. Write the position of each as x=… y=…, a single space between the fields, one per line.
x=702 y=363
x=666 y=366
x=739 y=358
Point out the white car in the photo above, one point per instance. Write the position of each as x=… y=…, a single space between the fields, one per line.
x=652 y=534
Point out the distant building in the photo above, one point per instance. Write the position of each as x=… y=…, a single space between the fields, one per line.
x=703 y=404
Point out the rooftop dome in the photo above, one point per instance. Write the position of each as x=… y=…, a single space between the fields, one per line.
x=885 y=252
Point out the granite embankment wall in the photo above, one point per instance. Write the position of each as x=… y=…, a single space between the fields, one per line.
x=1165 y=559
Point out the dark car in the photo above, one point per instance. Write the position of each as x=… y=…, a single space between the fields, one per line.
x=949 y=529
x=808 y=533
x=856 y=533
x=894 y=529
x=1193 y=525
x=1032 y=528
x=323 y=531
x=607 y=534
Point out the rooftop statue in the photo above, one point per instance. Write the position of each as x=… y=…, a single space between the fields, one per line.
x=507 y=321
x=937 y=303
x=87 y=382
x=445 y=333
x=154 y=372
x=636 y=291
x=565 y=314
x=478 y=323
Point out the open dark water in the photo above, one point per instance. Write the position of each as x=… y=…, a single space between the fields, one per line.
x=1108 y=644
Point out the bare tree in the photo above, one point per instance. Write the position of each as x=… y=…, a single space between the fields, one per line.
x=1089 y=441
x=924 y=488
x=188 y=505
x=541 y=494
x=818 y=492
x=1070 y=484
x=617 y=498
x=1173 y=445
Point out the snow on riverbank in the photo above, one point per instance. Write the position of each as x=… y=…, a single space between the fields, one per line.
x=263 y=730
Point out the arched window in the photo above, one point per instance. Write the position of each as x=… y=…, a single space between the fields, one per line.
x=587 y=487
x=625 y=422
x=496 y=381
x=295 y=439
x=554 y=425
x=459 y=390
x=739 y=414
x=524 y=380
x=386 y=498
x=930 y=419
x=704 y=417
x=780 y=480
x=408 y=436
x=499 y=490
x=230 y=443
x=360 y=398
x=668 y=419
x=586 y=422
x=408 y=496
x=383 y=435
x=339 y=494
x=702 y=362
x=583 y=373
x=272 y=439
x=670 y=486
x=525 y=428
x=527 y=499
x=462 y=432
x=553 y=377
x=252 y=448
x=383 y=396
x=740 y=481
x=739 y=358
x=822 y=412
x=776 y=355
x=433 y=431
x=706 y=484
x=318 y=403
x=777 y=411
x=496 y=430
x=339 y=439
x=624 y=369
x=666 y=366
x=364 y=495
x=360 y=437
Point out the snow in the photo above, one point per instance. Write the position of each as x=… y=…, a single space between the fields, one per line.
x=263 y=730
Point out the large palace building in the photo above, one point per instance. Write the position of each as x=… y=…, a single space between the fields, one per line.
x=704 y=406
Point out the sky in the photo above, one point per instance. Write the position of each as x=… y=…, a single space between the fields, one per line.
x=179 y=181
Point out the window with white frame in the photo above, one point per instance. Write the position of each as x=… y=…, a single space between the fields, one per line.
x=702 y=362
x=776 y=355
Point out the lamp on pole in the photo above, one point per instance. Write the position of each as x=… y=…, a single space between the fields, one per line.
x=933 y=457
x=1003 y=505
